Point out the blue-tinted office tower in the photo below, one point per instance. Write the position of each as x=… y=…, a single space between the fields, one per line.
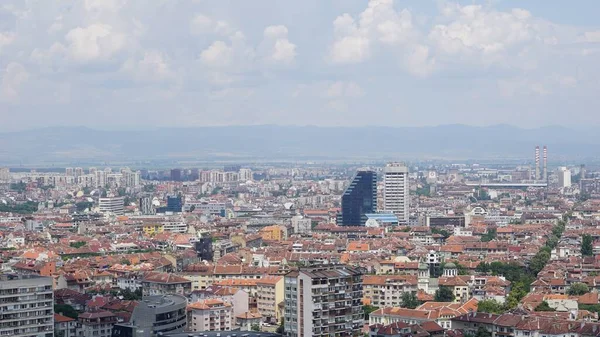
x=359 y=199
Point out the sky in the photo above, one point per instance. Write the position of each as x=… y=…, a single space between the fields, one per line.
x=118 y=64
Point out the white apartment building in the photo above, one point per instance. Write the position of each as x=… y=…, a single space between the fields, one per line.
x=112 y=205
x=396 y=197
x=26 y=306
x=564 y=177
x=4 y=174
x=323 y=301
x=245 y=174
x=210 y=315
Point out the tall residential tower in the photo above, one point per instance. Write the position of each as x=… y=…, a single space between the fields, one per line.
x=396 y=195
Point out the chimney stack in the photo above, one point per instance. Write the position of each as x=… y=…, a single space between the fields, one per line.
x=545 y=163
x=537 y=163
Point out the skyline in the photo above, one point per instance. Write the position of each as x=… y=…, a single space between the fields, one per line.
x=118 y=65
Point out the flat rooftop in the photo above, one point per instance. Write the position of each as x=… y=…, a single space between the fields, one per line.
x=20 y=277
x=223 y=334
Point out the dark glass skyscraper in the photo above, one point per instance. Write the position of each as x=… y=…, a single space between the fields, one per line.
x=359 y=199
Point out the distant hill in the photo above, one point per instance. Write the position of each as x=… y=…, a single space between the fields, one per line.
x=284 y=143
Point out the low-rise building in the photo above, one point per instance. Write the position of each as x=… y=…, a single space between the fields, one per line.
x=210 y=315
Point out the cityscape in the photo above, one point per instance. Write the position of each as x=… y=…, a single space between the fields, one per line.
x=315 y=168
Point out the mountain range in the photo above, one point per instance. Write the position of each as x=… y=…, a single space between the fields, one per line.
x=291 y=143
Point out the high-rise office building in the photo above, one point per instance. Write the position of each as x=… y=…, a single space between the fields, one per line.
x=396 y=194
x=112 y=205
x=323 y=301
x=176 y=174
x=26 y=309
x=359 y=199
x=174 y=205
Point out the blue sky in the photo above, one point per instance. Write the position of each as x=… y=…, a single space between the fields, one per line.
x=134 y=64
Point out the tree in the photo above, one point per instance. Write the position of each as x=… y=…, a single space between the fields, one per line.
x=483 y=332
x=483 y=267
x=281 y=328
x=552 y=241
x=578 y=289
x=129 y=295
x=83 y=205
x=538 y=262
x=489 y=236
x=444 y=294
x=66 y=310
x=368 y=309
x=490 y=306
x=543 y=307
x=77 y=244
x=586 y=245
x=517 y=293
x=409 y=300
x=255 y=327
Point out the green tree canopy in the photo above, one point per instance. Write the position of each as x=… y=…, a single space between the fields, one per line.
x=66 y=310
x=586 y=245
x=409 y=300
x=490 y=306
x=368 y=309
x=543 y=307
x=578 y=289
x=444 y=294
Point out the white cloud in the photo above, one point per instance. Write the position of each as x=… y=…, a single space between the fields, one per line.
x=590 y=37
x=201 y=24
x=94 y=42
x=482 y=34
x=378 y=23
x=13 y=77
x=151 y=67
x=218 y=54
x=103 y=5
x=6 y=39
x=280 y=49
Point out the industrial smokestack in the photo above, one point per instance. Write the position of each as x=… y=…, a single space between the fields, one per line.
x=545 y=163
x=537 y=163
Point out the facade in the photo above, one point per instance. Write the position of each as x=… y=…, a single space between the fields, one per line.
x=273 y=233
x=564 y=177
x=323 y=301
x=154 y=315
x=270 y=296
x=359 y=199
x=146 y=207
x=4 y=174
x=174 y=205
x=396 y=197
x=112 y=205
x=96 y=324
x=65 y=326
x=26 y=308
x=155 y=283
x=210 y=315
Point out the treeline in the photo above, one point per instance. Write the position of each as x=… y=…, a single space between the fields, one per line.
x=520 y=276
x=28 y=207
